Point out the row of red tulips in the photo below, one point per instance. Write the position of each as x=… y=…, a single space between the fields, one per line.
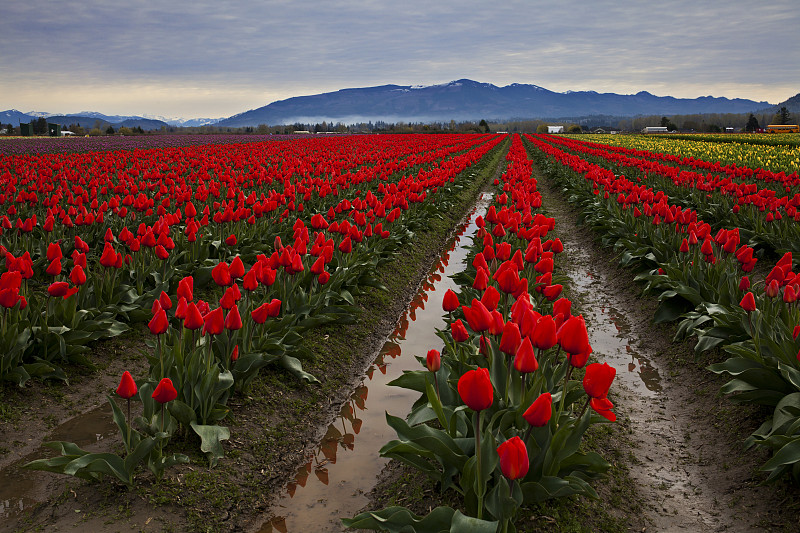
x=502 y=414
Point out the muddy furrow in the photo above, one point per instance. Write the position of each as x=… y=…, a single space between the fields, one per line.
x=688 y=463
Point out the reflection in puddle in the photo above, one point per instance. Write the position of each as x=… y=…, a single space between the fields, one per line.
x=20 y=488
x=609 y=330
x=345 y=465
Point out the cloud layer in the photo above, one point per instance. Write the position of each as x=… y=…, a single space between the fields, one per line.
x=205 y=58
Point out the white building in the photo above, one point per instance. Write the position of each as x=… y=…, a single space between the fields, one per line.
x=555 y=129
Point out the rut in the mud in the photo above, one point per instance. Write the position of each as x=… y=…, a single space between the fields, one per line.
x=691 y=473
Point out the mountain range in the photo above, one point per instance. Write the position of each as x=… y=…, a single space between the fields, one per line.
x=464 y=99
x=460 y=100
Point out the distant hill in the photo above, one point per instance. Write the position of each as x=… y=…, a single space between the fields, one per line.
x=469 y=100
x=792 y=105
x=87 y=120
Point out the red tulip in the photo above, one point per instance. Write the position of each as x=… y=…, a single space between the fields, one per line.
x=236 y=269
x=186 y=288
x=433 y=360
x=544 y=333
x=525 y=361
x=458 y=331
x=513 y=458
x=127 y=386
x=490 y=298
x=478 y=317
x=193 y=320
x=511 y=339
x=597 y=379
x=744 y=283
x=235 y=353
x=165 y=392
x=54 y=268
x=573 y=336
x=450 y=301
x=540 y=411
x=231 y=240
x=233 y=321
x=159 y=323
x=748 y=303
x=59 y=288
x=221 y=274
x=475 y=389
x=166 y=303
x=481 y=280
x=214 y=322
x=77 y=276
x=579 y=360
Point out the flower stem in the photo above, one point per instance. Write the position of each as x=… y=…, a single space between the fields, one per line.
x=478 y=455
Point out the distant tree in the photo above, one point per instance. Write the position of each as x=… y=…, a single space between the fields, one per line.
x=713 y=128
x=110 y=130
x=95 y=132
x=262 y=129
x=752 y=123
x=782 y=116
x=485 y=126
x=125 y=131
x=574 y=129
x=39 y=126
x=541 y=128
x=668 y=124
x=139 y=130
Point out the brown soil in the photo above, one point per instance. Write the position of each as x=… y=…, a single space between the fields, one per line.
x=273 y=428
x=677 y=454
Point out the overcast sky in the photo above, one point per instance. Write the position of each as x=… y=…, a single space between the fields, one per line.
x=218 y=58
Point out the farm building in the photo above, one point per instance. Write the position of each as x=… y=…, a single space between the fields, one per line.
x=655 y=129
x=555 y=129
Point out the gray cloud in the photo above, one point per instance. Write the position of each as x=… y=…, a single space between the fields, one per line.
x=226 y=57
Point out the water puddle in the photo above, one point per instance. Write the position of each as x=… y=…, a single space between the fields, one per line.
x=610 y=333
x=335 y=481
x=20 y=488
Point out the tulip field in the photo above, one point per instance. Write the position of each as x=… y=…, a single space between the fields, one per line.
x=231 y=253
x=715 y=247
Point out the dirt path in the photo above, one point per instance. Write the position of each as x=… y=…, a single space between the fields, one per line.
x=686 y=454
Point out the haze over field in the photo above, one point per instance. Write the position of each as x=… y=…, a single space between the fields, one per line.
x=212 y=59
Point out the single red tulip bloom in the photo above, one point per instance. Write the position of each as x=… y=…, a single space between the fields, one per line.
x=159 y=323
x=744 y=283
x=458 y=331
x=236 y=269
x=573 y=336
x=511 y=339
x=166 y=303
x=231 y=240
x=221 y=274
x=165 y=392
x=475 y=389
x=194 y=319
x=78 y=275
x=748 y=303
x=186 y=288
x=433 y=360
x=59 y=288
x=54 y=268
x=525 y=361
x=490 y=298
x=450 y=302
x=214 y=321
x=544 y=333
x=233 y=321
x=478 y=317
x=579 y=360
x=597 y=379
x=235 y=353
x=513 y=458
x=540 y=411
x=481 y=280
x=127 y=386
